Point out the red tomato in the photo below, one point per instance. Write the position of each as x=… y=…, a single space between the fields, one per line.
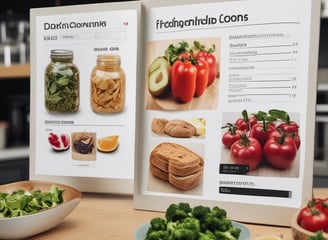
x=280 y=152
x=321 y=204
x=184 y=56
x=246 y=151
x=262 y=132
x=317 y=221
x=212 y=64
x=183 y=81
x=246 y=124
x=202 y=77
x=304 y=212
x=232 y=135
x=290 y=127
x=296 y=138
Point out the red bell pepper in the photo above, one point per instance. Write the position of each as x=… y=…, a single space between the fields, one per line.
x=202 y=77
x=183 y=80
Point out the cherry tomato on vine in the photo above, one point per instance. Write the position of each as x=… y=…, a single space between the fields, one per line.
x=232 y=135
x=262 y=131
x=289 y=127
x=246 y=151
x=280 y=152
x=316 y=221
x=246 y=122
x=296 y=138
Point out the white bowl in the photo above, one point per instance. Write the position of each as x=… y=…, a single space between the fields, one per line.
x=29 y=225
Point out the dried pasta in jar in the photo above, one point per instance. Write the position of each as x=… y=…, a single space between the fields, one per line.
x=107 y=85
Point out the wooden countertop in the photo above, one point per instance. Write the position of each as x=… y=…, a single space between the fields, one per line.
x=111 y=217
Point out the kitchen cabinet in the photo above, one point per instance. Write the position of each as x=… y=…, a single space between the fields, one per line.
x=14 y=160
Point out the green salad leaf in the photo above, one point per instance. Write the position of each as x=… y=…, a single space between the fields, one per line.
x=21 y=202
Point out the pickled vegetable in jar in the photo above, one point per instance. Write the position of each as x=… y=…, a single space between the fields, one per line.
x=107 y=85
x=62 y=83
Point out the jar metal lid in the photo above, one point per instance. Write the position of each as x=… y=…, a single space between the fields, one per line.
x=61 y=53
x=109 y=59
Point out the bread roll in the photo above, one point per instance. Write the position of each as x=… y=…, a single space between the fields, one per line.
x=180 y=129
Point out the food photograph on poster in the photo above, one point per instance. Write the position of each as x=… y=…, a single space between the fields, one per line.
x=168 y=59
x=267 y=147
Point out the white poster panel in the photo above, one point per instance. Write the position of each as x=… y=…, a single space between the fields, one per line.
x=264 y=60
x=83 y=94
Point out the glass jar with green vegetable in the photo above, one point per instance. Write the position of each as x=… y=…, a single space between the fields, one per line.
x=62 y=83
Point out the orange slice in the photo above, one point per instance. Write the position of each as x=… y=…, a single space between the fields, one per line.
x=108 y=144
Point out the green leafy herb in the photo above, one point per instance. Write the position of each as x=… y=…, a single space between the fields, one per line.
x=62 y=88
x=317 y=236
x=172 y=52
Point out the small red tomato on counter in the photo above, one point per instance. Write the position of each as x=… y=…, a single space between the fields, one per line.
x=246 y=151
x=321 y=204
x=313 y=216
x=315 y=221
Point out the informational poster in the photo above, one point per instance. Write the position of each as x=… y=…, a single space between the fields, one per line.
x=83 y=87
x=228 y=106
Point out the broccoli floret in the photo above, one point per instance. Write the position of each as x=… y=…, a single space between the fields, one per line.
x=187 y=228
x=182 y=222
x=219 y=212
x=158 y=229
x=171 y=226
x=183 y=234
x=200 y=211
x=235 y=232
x=157 y=235
x=224 y=235
x=158 y=224
x=217 y=222
x=190 y=223
x=177 y=212
x=211 y=222
x=207 y=235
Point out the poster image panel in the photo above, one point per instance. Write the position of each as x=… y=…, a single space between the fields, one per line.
x=266 y=62
x=84 y=89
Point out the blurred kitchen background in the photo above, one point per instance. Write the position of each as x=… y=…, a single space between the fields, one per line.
x=15 y=90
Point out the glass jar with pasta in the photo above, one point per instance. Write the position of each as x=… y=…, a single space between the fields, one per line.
x=107 y=85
